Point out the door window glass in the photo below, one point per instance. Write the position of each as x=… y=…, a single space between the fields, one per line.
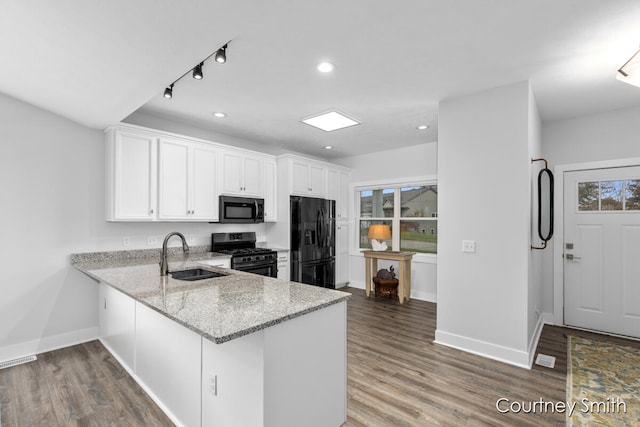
x=632 y=195
x=611 y=195
x=588 y=196
x=620 y=195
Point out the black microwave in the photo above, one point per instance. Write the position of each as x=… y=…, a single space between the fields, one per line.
x=241 y=210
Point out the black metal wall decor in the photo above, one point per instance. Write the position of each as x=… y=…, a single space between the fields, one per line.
x=545 y=204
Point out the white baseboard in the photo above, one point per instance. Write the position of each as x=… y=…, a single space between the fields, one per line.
x=50 y=343
x=485 y=349
x=131 y=371
x=533 y=344
x=415 y=294
x=547 y=318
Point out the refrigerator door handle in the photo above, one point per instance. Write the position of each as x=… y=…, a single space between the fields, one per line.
x=318 y=228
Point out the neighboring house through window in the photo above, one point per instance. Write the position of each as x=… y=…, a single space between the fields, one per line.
x=410 y=210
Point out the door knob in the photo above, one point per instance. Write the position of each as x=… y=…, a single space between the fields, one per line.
x=571 y=257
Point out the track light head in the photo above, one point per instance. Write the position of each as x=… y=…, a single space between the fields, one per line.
x=168 y=92
x=221 y=55
x=197 y=71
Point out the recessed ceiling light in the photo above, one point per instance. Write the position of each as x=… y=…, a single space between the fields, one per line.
x=326 y=67
x=422 y=127
x=220 y=115
x=330 y=121
x=328 y=147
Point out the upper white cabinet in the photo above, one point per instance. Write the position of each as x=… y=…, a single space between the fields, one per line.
x=338 y=190
x=270 y=191
x=308 y=179
x=131 y=169
x=241 y=174
x=187 y=181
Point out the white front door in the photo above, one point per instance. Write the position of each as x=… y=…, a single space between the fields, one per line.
x=602 y=250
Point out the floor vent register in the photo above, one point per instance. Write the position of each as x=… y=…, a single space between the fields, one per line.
x=18 y=361
x=546 y=360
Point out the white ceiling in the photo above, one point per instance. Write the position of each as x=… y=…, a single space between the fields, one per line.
x=96 y=62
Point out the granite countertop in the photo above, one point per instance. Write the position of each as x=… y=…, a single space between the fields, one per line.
x=219 y=309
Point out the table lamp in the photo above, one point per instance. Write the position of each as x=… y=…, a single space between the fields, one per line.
x=379 y=232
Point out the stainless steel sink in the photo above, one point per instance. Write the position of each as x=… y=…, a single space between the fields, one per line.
x=195 y=274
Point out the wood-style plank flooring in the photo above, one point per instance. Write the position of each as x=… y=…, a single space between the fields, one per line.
x=81 y=385
x=397 y=376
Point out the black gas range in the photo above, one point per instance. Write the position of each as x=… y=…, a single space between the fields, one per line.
x=244 y=254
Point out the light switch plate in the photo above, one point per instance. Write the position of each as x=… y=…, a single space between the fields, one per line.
x=469 y=246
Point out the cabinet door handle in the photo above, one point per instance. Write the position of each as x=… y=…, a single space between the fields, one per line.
x=151 y=211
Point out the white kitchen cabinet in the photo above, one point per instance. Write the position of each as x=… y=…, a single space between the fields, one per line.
x=241 y=174
x=131 y=175
x=167 y=360
x=290 y=374
x=270 y=191
x=116 y=322
x=308 y=179
x=233 y=382
x=204 y=197
x=338 y=190
x=283 y=265
x=187 y=181
x=342 y=254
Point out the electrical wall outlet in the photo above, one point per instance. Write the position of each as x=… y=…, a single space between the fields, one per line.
x=469 y=246
x=152 y=240
x=126 y=241
x=191 y=239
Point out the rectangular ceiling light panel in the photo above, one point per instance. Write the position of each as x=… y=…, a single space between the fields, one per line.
x=330 y=121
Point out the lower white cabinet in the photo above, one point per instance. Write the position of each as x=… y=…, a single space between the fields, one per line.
x=117 y=323
x=283 y=265
x=290 y=374
x=232 y=382
x=167 y=363
x=342 y=254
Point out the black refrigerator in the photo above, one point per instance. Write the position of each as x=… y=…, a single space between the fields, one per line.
x=313 y=245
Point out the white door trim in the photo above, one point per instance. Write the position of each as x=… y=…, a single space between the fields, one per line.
x=558 y=241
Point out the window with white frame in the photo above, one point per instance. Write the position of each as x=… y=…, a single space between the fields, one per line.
x=411 y=211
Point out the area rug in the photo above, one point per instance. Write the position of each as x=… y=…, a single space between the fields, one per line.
x=603 y=384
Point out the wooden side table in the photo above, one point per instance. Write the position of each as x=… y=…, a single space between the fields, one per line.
x=404 y=275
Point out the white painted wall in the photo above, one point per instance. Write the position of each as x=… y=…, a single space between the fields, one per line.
x=52 y=174
x=610 y=135
x=535 y=285
x=484 y=172
x=391 y=166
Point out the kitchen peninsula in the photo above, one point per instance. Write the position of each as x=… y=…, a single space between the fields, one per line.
x=240 y=349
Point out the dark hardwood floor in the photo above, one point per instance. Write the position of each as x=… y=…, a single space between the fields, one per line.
x=397 y=376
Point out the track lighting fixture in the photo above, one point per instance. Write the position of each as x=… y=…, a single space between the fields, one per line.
x=630 y=71
x=197 y=71
x=220 y=57
x=168 y=92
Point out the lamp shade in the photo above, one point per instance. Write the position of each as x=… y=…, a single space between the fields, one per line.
x=379 y=232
